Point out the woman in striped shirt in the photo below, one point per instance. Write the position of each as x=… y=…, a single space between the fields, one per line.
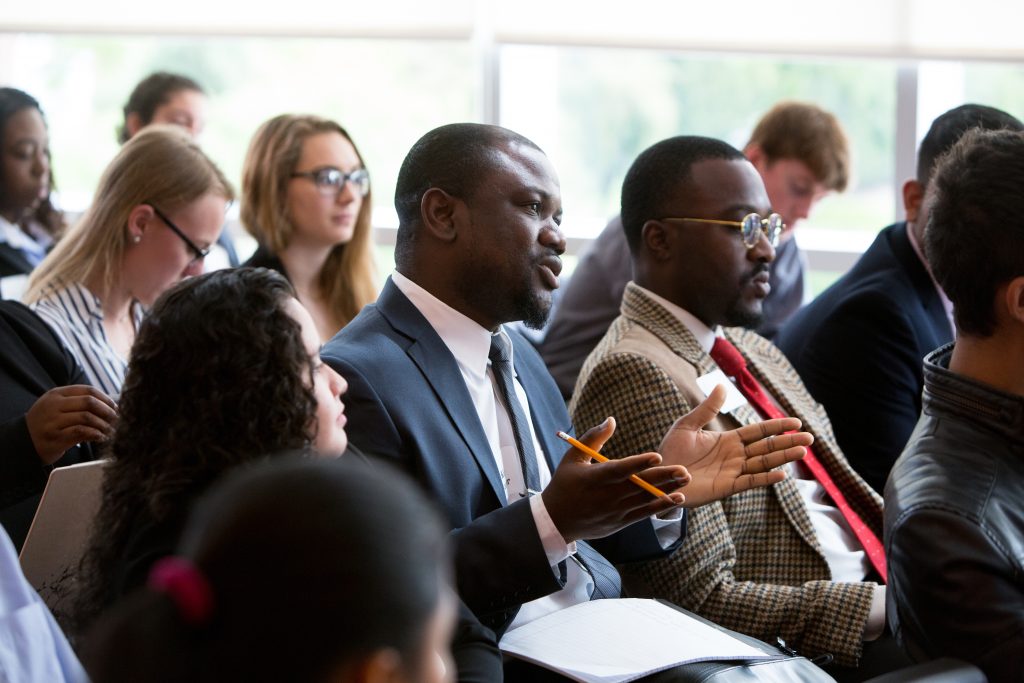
x=159 y=206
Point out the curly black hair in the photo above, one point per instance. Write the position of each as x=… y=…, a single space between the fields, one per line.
x=218 y=377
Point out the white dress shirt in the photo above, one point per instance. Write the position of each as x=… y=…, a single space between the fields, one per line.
x=76 y=316
x=846 y=558
x=470 y=345
x=32 y=244
x=33 y=247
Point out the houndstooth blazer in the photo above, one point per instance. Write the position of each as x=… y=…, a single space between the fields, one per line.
x=751 y=562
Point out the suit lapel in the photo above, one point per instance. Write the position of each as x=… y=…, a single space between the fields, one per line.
x=783 y=383
x=438 y=366
x=647 y=313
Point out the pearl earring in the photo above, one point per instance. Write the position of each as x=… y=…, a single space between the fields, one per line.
x=136 y=239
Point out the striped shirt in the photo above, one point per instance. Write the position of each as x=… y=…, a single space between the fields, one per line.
x=76 y=316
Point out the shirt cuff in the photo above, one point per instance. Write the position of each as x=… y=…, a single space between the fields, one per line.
x=876 y=617
x=668 y=527
x=555 y=546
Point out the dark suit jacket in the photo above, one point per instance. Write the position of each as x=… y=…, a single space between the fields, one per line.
x=859 y=348
x=407 y=402
x=32 y=361
x=13 y=262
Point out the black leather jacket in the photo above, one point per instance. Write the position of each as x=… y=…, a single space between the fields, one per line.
x=954 y=526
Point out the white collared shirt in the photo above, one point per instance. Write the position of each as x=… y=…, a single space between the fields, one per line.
x=76 y=316
x=470 y=344
x=33 y=246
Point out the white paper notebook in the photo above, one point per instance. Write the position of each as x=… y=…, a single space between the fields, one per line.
x=614 y=641
x=60 y=531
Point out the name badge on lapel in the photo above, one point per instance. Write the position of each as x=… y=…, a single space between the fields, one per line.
x=733 y=398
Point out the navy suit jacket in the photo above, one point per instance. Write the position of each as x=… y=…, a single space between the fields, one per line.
x=408 y=403
x=859 y=348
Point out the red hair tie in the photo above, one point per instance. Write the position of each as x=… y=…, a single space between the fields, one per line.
x=179 y=579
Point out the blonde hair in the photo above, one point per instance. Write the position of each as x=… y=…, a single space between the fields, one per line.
x=347 y=280
x=161 y=165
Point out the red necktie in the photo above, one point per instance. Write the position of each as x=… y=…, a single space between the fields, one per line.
x=734 y=365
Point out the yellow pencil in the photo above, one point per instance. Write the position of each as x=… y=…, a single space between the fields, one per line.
x=650 y=488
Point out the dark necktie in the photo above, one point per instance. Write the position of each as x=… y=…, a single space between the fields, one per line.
x=501 y=364
x=733 y=364
x=606 y=579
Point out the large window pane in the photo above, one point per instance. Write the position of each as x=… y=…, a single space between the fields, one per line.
x=385 y=92
x=595 y=109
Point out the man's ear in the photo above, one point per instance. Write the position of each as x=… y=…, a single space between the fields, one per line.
x=1015 y=299
x=439 y=212
x=133 y=124
x=757 y=157
x=913 y=197
x=657 y=240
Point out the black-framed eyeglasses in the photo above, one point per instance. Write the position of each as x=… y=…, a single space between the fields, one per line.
x=330 y=180
x=751 y=227
x=200 y=254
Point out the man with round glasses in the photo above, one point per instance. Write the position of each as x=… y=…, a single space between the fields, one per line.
x=788 y=561
x=802 y=155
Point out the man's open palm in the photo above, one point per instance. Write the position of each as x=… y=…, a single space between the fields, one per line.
x=724 y=463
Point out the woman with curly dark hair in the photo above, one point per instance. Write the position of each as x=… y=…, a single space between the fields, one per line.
x=225 y=369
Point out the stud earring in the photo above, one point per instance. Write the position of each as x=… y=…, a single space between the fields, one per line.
x=136 y=239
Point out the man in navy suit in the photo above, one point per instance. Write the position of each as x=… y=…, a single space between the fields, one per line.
x=478 y=246
x=859 y=346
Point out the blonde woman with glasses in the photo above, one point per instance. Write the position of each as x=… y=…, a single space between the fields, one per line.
x=159 y=206
x=306 y=199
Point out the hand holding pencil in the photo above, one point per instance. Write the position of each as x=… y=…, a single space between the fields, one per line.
x=653 y=490
x=587 y=499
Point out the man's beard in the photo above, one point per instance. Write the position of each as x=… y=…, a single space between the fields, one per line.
x=533 y=309
x=740 y=313
x=508 y=304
